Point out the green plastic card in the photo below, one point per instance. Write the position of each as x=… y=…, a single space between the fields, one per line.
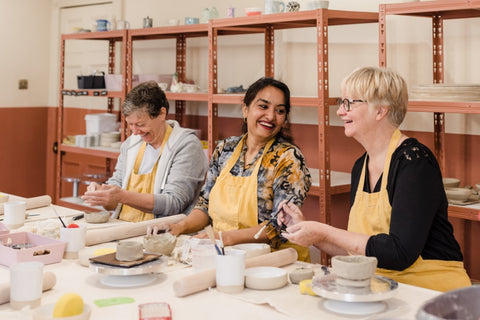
x=113 y=301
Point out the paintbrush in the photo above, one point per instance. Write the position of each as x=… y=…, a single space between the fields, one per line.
x=257 y=235
x=56 y=213
x=211 y=235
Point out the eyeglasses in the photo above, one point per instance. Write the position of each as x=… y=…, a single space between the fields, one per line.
x=347 y=103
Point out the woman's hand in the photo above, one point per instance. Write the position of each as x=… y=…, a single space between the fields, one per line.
x=305 y=233
x=93 y=186
x=103 y=195
x=289 y=214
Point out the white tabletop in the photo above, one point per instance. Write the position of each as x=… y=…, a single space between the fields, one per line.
x=284 y=303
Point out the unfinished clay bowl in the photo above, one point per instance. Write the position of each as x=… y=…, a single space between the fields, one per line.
x=458 y=194
x=356 y=268
x=97 y=217
x=451 y=182
x=162 y=243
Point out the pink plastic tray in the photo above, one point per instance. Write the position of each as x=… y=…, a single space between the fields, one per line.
x=45 y=250
x=3 y=229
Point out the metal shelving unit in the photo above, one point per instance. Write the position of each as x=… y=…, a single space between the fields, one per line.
x=438 y=11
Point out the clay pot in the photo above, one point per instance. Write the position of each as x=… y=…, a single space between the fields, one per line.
x=163 y=243
x=354 y=267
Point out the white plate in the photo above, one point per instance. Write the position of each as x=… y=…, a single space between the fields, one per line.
x=382 y=288
x=265 y=278
x=355 y=308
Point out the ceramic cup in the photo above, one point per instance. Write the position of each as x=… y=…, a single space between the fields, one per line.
x=316 y=4
x=26 y=282
x=230 y=273
x=274 y=6
x=75 y=239
x=123 y=24
x=103 y=25
x=14 y=214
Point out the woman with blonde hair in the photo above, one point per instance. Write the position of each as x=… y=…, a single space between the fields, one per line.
x=399 y=210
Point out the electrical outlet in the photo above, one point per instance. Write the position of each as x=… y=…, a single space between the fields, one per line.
x=23 y=84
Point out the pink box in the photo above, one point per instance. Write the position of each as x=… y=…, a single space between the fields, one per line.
x=3 y=229
x=44 y=249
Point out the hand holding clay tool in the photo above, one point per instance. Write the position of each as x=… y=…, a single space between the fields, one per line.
x=257 y=235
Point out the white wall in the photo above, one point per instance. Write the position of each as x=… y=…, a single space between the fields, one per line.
x=35 y=56
x=24 y=53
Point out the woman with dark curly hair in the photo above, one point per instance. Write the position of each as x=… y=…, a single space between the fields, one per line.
x=249 y=175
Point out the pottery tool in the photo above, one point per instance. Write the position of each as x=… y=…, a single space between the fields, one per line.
x=49 y=280
x=60 y=218
x=123 y=230
x=257 y=235
x=206 y=279
x=211 y=235
x=222 y=247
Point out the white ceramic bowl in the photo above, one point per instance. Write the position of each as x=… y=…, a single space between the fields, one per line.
x=46 y=313
x=265 y=278
x=253 y=11
x=458 y=194
x=451 y=182
x=354 y=267
x=253 y=249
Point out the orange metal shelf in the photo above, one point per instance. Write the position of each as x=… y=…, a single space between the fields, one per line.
x=97 y=151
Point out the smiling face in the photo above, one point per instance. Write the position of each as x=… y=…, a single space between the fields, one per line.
x=356 y=120
x=151 y=130
x=266 y=114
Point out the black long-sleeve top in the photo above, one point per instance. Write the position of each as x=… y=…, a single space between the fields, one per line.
x=419 y=223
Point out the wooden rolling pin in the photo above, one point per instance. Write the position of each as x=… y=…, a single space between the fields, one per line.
x=126 y=230
x=203 y=280
x=31 y=203
x=49 y=281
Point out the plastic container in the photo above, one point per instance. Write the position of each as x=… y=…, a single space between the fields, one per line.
x=113 y=82
x=100 y=122
x=41 y=249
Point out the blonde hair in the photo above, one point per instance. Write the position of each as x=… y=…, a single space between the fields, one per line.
x=379 y=87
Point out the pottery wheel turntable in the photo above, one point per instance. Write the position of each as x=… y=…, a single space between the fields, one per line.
x=140 y=275
x=345 y=301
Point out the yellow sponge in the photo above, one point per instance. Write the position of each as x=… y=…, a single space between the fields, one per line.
x=306 y=287
x=102 y=251
x=70 y=304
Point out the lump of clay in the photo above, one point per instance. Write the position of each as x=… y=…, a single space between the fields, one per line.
x=97 y=217
x=163 y=243
x=129 y=251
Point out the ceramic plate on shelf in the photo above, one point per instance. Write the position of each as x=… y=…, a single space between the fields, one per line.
x=381 y=288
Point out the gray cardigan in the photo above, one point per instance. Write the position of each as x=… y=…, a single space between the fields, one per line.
x=180 y=173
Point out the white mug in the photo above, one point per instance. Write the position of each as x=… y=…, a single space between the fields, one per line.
x=26 y=284
x=274 y=6
x=75 y=239
x=123 y=24
x=14 y=214
x=230 y=272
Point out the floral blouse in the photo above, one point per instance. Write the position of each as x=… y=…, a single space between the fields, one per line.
x=282 y=174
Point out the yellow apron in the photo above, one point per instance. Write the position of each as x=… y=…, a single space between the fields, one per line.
x=233 y=200
x=370 y=214
x=142 y=183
